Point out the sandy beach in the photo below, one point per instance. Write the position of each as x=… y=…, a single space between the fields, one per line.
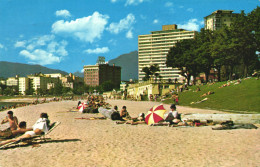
x=79 y=142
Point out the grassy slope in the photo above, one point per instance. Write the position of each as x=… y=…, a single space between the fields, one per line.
x=244 y=97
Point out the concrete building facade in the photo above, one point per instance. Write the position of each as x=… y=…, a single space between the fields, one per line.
x=153 y=49
x=12 y=81
x=24 y=84
x=95 y=75
x=219 y=18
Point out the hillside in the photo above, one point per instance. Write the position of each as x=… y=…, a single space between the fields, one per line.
x=242 y=98
x=129 y=65
x=9 y=69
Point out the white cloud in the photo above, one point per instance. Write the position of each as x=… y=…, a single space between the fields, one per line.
x=113 y=1
x=39 y=41
x=129 y=34
x=168 y=4
x=134 y=2
x=19 y=44
x=155 y=21
x=40 y=56
x=63 y=13
x=192 y=25
x=190 y=10
x=124 y=24
x=44 y=50
x=97 y=50
x=1 y=46
x=86 y=29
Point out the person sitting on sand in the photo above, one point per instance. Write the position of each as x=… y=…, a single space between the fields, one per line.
x=123 y=113
x=173 y=115
x=13 y=121
x=41 y=126
x=116 y=108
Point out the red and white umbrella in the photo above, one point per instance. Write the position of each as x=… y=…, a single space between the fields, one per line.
x=155 y=114
x=82 y=106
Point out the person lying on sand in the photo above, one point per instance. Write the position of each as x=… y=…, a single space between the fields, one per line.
x=12 y=133
x=134 y=121
x=13 y=121
x=41 y=126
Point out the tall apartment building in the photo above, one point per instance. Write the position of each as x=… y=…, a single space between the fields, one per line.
x=219 y=18
x=153 y=49
x=24 y=84
x=95 y=75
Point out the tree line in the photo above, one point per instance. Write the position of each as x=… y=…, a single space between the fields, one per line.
x=230 y=50
x=59 y=89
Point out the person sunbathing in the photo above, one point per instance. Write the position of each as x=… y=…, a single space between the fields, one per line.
x=13 y=121
x=134 y=121
x=12 y=133
x=41 y=126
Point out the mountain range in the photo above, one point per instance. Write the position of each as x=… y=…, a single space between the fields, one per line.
x=129 y=65
x=9 y=69
x=127 y=62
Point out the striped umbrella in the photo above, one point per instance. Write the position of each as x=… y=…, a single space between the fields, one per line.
x=155 y=114
x=82 y=106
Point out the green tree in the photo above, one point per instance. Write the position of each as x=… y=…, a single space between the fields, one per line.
x=254 y=22
x=183 y=57
x=151 y=72
x=29 y=91
x=8 y=91
x=203 y=42
x=243 y=40
x=57 y=89
x=107 y=86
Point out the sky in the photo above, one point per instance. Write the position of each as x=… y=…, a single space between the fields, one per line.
x=68 y=34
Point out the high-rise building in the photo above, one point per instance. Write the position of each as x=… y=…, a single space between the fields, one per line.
x=219 y=18
x=95 y=75
x=153 y=49
x=23 y=85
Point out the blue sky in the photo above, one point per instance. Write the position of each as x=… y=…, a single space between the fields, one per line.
x=68 y=34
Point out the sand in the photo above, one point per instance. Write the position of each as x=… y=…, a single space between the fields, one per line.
x=104 y=143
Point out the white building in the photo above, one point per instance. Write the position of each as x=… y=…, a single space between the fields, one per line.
x=153 y=49
x=23 y=84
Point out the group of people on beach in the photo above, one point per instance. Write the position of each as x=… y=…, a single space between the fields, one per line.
x=20 y=130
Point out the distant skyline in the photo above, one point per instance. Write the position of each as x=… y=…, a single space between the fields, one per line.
x=66 y=35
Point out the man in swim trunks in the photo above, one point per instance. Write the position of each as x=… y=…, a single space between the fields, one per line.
x=41 y=126
x=13 y=121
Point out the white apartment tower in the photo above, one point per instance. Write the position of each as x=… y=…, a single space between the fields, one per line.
x=23 y=85
x=219 y=18
x=153 y=49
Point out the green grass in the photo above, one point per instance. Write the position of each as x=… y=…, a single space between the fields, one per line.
x=241 y=98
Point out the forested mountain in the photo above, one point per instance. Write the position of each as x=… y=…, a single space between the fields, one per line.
x=129 y=65
x=9 y=69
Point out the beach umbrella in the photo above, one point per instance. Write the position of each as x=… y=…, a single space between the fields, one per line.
x=82 y=106
x=155 y=114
